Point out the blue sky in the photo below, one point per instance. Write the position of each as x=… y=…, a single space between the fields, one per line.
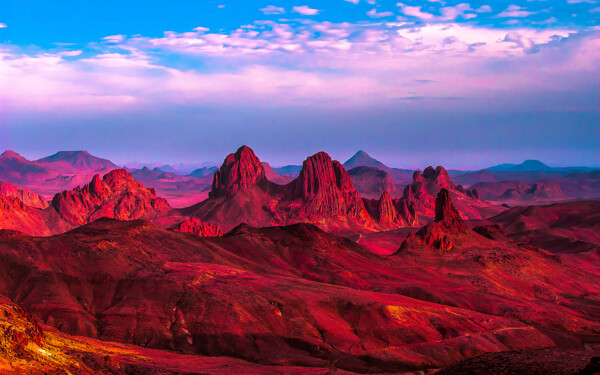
x=462 y=84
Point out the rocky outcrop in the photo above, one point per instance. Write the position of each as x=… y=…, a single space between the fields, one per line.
x=387 y=211
x=199 y=228
x=239 y=172
x=118 y=195
x=439 y=233
x=29 y=198
x=437 y=177
x=326 y=190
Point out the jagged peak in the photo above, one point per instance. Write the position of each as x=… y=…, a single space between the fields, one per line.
x=240 y=171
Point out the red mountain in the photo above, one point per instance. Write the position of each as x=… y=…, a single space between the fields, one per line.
x=239 y=172
x=117 y=195
x=29 y=198
x=48 y=176
x=323 y=193
x=77 y=161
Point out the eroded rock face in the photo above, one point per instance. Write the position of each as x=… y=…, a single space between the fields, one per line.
x=444 y=210
x=387 y=211
x=438 y=233
x=439 y=176
x=239 y=172
x=118 y=195
x=29 y=198
x=199 y=228
x=327 y=190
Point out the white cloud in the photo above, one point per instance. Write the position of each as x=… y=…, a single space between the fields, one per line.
x=514 y=11
x=2 y=25
x=374 y=14
x=414 y=11
x=305 y=10
x=353 y=1
x=114 y=38
x=484 y=9
x=272 y=9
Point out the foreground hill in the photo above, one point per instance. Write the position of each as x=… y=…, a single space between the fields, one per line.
x=28 y=347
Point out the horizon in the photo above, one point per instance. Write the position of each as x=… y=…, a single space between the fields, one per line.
x=463 y=84
x=209 y=163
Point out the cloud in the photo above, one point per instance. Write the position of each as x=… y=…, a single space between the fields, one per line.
x=414 y=11
x=582 y=1
x=2 y=25
x=374 y=14
x=305 y=10
x=114 y=38
x=484 y=9
x=353 y=1
x=315 y=64
x=514 y=11
x=271 y=9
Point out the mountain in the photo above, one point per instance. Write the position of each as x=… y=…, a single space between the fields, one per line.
x=273 y=176
x=324 y=194
x=116 y=195
x=241 y=193
x=362 y=159
x=29 y=198
x=371 y=182
x=526 y=166
x=62 y=171
x=203 y=172
x=78 y=161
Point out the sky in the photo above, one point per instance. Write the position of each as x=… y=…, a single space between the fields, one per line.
x=464 y=84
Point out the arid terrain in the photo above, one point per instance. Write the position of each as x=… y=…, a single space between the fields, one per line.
x=321 y=268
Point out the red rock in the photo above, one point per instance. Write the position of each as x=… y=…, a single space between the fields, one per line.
x=118 y=195
x=29 y=198
x=326 y=190
x=387 y=211
x=199 y=228
x=239 y=172
x=444 y=210
x=447 y=222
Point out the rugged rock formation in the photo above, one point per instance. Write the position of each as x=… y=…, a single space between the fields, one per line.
x=437 y=178
x=239 y=172
x=29 y=198
x=387 y=211
x=326 y=190
x=445 y=211
x=199 y=228
x=118 y=195
x=438 y=233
